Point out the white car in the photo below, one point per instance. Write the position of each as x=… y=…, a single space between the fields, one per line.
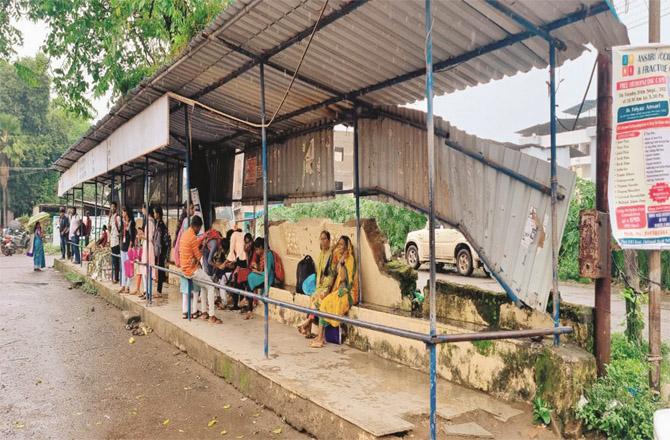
x=451 y=247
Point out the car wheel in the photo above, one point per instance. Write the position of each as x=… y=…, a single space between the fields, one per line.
x=464 y=262
x=439 y=267
x=412 y=256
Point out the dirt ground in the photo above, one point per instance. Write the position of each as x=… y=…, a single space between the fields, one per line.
x=67 y=370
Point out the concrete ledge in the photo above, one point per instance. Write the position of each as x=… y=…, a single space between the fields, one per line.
x=508 y=369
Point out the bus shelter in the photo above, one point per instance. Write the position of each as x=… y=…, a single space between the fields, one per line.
x=269 y=80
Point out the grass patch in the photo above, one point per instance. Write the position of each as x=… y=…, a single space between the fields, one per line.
x=621 y=405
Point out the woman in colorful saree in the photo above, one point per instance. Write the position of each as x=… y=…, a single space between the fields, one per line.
x=344 y=291
x=325 y=275
x=38 y=248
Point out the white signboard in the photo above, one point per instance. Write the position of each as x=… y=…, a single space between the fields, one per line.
x=639 y=175
x=147 y=131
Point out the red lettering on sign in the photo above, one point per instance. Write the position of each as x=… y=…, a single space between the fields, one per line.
x=631 y=217
x=660 y=192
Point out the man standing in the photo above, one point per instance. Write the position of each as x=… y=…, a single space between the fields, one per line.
x=114 y=223
x=75 y=234
x=190 y=258
x=64 y=229
x=87 y=226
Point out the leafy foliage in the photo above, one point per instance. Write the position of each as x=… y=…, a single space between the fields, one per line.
x=634 y=315
x=37 y=132
x=568 y=259
x=394 y=221
x=108 y=45
x=541 y=411
x=621 y=404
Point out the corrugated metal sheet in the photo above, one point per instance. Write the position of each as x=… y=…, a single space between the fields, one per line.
x=507 y=221
x=159 y=193
x=221 y=168
x=299 y=169
x=374 y=41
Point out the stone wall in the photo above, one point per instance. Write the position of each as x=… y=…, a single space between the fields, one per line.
x=474 y=306
x=292 y=241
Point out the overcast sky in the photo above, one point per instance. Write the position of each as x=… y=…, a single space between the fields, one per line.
x=495 y=110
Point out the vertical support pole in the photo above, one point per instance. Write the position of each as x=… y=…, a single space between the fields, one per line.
x=147 y=232
x=111 y=193
x=430 y=137
x=95 y=212
x=554 y=191
x=357 y=194
x=266 y=217
x=187 y=128
x=81 y=248
x=187 y=125
x=604 y=143
x=655 y=255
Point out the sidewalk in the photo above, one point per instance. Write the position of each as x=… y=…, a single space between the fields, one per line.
x=335 y=392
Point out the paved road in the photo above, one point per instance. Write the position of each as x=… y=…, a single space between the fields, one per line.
x=570 y=292
x=67 y=370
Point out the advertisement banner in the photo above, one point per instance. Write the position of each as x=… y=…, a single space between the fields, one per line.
x=639 y=174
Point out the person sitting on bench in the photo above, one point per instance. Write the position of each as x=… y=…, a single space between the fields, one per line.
x=344 y=292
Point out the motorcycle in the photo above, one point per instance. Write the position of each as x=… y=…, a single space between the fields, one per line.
x=7 y=246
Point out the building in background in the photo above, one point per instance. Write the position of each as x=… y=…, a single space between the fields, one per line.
x=576 y=142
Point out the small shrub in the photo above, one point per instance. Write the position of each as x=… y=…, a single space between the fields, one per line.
x=541 y=411
x=620 y=404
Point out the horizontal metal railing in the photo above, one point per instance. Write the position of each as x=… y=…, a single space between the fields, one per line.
x=395 y=331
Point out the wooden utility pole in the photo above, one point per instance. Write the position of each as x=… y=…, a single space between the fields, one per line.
x=604 y=144
x=655 y=256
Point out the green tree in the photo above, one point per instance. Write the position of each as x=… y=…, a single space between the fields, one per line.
x=33 y=133
x=108 y=45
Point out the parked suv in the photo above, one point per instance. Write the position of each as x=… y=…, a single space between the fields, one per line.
x=451 y=247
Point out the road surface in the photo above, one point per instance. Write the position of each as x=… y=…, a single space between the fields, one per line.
x=570 y=292
x=67 y=370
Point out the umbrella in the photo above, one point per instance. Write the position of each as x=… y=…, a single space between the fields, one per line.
x=39 y=217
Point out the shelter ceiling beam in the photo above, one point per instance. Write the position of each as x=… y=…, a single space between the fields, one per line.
x=325 y=21
x=451 y=62
x=521 y=20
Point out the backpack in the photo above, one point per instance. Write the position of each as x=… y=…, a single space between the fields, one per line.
x=305 y=269
x=210 y=235
x=279 y=270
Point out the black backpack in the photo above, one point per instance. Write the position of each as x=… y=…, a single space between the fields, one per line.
x=305 y=269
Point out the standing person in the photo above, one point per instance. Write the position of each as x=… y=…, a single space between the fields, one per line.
x=128 y=237
x=114 y=223
x=161 y=241
x=64 y=229
x=148 y=253
x=75 y=235
x=180 y=224
x=190 y=258
x=38 y=248
x=256 y=279
x=87 y=225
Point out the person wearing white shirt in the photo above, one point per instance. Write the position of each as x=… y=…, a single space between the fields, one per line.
x=114 y=223
x=75 y=234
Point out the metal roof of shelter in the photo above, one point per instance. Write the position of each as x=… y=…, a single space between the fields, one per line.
x=364 y=53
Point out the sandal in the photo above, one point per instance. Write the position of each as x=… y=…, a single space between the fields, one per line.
x=195 y=315
x=204 y=316
x=214 y=320
x=184 y=316
x=249 y=315
x=310 y=336
x=317 y=344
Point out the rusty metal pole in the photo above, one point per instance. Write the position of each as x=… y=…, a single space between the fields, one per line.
x=604 y=142
x=655 y=255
